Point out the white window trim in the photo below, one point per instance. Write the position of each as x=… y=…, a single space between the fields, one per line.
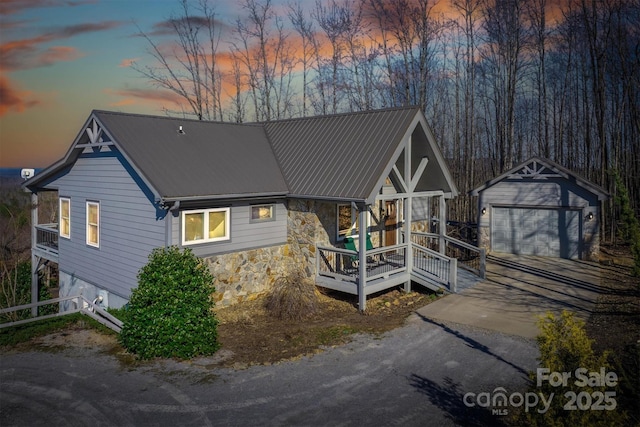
x=265 y=205
x=89 y=243
x=68 y=200
x=227 y=227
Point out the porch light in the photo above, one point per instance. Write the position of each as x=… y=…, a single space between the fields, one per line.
x=484 y=211
x=589 y=216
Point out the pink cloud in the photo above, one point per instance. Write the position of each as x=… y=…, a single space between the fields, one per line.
x=127 y=62
x=135 y=96
x=15 y=100
x=27 y=53
x=9 y=7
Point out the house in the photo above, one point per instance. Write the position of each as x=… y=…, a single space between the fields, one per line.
x=254 y=201
x=540 y=208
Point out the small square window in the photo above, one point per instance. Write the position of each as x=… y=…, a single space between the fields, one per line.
x=261 y=213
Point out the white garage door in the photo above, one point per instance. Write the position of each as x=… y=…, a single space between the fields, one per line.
x=533 y=231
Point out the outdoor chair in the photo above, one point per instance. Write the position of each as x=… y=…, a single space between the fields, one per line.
x=349 y=243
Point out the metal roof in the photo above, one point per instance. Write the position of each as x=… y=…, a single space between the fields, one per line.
x=340 y=156
x=209 y=159
x=551 y=165
x=336 y=157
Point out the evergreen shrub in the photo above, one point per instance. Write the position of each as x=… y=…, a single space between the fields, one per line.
x=564 y=348
x=170 y=313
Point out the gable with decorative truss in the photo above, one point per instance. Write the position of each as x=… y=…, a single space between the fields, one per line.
x=541 y=169
x=535 y=169
x=96 y=136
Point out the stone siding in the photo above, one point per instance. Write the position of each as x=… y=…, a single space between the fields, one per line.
x=247 y=274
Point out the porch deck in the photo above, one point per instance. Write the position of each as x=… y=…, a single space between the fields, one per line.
x=46 y=242
x=388 y=267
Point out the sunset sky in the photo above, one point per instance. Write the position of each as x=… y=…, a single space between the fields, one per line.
x=60 y=59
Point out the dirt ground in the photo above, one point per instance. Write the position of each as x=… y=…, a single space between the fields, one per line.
x=249 y=334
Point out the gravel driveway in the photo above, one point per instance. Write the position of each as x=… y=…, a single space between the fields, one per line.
x=414 y=375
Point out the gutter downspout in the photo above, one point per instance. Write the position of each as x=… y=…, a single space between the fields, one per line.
x=169 y=227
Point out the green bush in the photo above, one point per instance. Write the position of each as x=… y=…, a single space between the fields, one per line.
x=565 y=347
x=15 y=289
x=170 y=312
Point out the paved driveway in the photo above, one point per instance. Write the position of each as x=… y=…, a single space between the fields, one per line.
x=517 y=290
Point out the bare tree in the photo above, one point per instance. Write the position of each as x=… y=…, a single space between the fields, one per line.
x=304 y=28
x=537 y=15
x=265 y=53
x=469 y=11
x=334 y=20
x=503 y=62
x=187 y=69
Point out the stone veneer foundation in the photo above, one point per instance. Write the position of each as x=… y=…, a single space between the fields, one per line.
x=245 y=275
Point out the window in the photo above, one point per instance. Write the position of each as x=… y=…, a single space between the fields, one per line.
x=261 y=213
x=64 y=228
x=93 y=224
x=205 y=225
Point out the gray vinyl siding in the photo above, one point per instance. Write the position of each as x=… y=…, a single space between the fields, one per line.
x=551 y=193
x=129 y=229
x=545 y=217
x=245 y=234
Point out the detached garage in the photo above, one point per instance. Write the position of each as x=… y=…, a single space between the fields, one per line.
x=540 y=208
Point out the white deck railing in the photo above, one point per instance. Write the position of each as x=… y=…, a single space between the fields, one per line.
x=342 y=264
x=469 y=257
x=435 y=266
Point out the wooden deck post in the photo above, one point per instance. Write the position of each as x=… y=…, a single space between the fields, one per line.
x=35 y=260
x=362 y=254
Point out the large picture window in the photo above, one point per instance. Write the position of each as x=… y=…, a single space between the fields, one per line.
x=205 y=225
x=64 y=227
x=93 y=224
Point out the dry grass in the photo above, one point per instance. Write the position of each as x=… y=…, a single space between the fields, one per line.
x=293 y=297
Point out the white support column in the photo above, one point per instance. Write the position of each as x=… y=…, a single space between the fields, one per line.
x=34 y=259
x=407 y=235
x=443 y=224
x=362 y=254
x=412 y=182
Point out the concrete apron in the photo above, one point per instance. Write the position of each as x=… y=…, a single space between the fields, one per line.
x=518 y=290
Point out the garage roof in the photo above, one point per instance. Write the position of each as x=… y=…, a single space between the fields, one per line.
x=540 y=168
